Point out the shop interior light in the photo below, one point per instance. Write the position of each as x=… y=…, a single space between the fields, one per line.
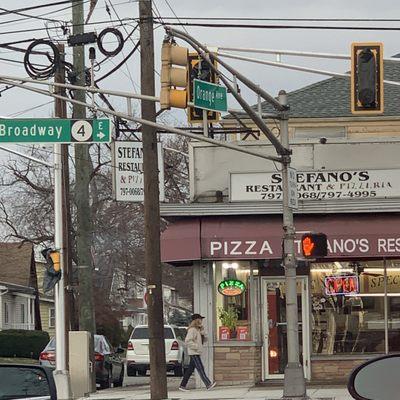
x=372 y=295
x=227 y=265
x=273 y=353
x=389 y=269
x=330 y=270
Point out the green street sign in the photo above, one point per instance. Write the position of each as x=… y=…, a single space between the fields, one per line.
x=209 y=96
x=55 y=130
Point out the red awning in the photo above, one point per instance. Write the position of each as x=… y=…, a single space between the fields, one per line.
x=181 y=241
x=260 y=237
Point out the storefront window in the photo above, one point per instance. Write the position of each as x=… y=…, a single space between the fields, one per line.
x=348 y=307
x=232 y=287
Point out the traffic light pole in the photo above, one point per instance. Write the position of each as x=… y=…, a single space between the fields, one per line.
x=294 y=382
x=61 y=374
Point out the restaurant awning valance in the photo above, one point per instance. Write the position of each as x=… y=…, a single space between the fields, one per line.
x=260 y=237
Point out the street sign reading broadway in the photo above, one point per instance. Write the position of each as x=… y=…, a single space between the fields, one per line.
x=54 y=130
x=209 y=96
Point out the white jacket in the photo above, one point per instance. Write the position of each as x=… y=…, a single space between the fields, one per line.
x=194 y=342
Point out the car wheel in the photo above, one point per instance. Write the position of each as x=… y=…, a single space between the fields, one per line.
x=120 y=380
x=142 y=372
x=131 y=371
x=178 y=370
x=107 y=383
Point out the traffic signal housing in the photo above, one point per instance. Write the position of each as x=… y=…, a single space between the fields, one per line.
x=53 y=269
x=314 y=245
x=200 y=69
x=173 y=76
x=367 y=78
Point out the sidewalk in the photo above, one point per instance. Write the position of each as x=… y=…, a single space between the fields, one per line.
x=220 y=392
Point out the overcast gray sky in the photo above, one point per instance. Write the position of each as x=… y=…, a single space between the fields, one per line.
x=15 y=101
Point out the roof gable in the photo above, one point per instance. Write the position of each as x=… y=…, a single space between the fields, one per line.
x=16 y=264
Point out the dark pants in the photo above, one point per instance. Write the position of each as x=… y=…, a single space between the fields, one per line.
x=195 y=363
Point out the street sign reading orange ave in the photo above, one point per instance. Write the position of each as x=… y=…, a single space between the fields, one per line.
x=54 y=130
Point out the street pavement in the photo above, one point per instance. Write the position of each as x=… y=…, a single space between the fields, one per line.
x=137 y=388
x=219 y=392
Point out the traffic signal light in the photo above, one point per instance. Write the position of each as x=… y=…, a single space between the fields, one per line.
x=199 y=69
x=367 y=78
x=53 y=269
x=314 y=245
x=173 y=77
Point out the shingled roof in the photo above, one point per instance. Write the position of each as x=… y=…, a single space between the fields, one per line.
x=16 y=264
x=330 y=98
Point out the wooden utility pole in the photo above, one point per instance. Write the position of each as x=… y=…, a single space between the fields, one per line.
x=158 y=375
x=82 y=181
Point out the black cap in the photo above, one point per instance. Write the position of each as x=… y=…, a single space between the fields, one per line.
x=197 y=316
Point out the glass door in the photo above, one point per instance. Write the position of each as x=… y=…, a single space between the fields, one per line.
x=275 y=326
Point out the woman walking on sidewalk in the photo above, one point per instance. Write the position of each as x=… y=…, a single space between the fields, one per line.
x=194 y=341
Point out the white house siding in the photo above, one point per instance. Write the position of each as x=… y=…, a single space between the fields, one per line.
x=15 y=320
x=7 y=299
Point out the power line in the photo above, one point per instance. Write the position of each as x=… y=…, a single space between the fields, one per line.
x=282 y=19
x=259 y=26
x=136 y=45
x=173 y=12
x=54 y=12
x=39 y=6
x=16 y=114
x=123 y=22
x=32 y=16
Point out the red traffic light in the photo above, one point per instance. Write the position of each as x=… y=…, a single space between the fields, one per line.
x=314 y=245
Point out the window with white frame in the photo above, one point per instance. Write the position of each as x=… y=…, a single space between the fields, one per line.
x=52 y=317
x=31 y=310
x=6 y=313
x=22 y=309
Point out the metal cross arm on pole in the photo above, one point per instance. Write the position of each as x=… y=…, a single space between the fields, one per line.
x=294 y=67
x=160 y=127
x=109 y=92
x=89 y=89
x=27 y=156
x=281 y=150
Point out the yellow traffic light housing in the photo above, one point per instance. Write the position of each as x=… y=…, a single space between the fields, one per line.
x=205 y=73
x=53 y=269
x=367 y=78
x=173 y=77
x=55 y=258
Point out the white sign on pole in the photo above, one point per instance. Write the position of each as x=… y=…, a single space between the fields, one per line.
x=317 y=185
x=293 y=195
x=127 y=169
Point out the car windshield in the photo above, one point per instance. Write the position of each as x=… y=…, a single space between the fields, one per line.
x=143 y=333
x=51 y=345
x=180 y=333
x=101 y=345
x=22 y=382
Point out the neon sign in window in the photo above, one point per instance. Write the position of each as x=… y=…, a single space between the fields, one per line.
x=341 y=285
x=231 y=287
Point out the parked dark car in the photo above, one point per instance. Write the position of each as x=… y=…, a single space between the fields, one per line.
x=108 y=363
x=26 y=382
